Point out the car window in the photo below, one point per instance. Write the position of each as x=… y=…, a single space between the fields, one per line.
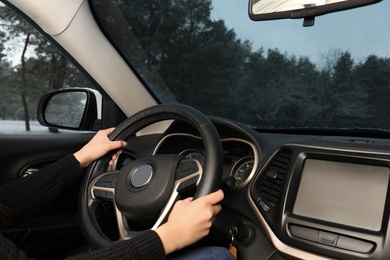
x=30 y=66
x=334 y=75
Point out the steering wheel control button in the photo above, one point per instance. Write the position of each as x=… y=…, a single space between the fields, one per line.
x=188 y=184
x=142 y=176
x=186 y=168
x=107 y=181
x=101 y=194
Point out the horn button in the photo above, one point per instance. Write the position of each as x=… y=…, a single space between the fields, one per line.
x=141 y=176
x=144 y=186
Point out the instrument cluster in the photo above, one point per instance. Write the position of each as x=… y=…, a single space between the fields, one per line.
x=240 y=156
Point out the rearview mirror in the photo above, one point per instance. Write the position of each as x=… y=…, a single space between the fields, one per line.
x=307 y=9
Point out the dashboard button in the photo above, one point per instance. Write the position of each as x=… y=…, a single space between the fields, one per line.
x=305 y=233
x=327 y=238
x=353 y=244
x=263 y=205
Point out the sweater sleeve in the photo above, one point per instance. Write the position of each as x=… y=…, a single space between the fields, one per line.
x=146 y=246
x=28 y=195
x=24 y=197
x=9 y=251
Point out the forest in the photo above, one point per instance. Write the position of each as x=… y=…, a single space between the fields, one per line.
x=30 y=66
x=206 y=65
x=197 y=56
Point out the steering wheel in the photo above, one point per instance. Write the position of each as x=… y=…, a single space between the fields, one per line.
x=147 y=188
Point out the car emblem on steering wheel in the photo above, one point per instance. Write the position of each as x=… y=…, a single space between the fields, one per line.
x=142 y=176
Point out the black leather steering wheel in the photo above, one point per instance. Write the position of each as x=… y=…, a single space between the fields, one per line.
x=147 y=188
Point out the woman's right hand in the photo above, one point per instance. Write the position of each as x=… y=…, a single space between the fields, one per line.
x=189 y=221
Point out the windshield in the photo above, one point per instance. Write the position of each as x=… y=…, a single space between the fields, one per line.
x=271 y=74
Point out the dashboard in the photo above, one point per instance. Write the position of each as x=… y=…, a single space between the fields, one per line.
x=240 y=156
x=294 y=196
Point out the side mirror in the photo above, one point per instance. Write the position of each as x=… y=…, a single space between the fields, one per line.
x=74 y=109
x=307 y=9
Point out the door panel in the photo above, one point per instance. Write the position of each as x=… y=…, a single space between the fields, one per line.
x=22 y=152
x=55 y=230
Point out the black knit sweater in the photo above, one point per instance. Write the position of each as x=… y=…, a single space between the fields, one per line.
x=26 y=196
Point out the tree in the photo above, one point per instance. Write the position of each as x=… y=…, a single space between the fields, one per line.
x=43 y=70
x=15 y=28
x=373 y=76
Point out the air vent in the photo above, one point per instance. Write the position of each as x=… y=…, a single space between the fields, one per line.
x=271 y=182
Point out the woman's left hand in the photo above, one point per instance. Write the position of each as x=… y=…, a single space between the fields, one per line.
x=97 y=147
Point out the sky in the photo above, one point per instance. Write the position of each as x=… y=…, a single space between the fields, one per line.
x=361 y=31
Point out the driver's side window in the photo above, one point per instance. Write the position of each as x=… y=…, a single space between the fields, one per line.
x=30 y=66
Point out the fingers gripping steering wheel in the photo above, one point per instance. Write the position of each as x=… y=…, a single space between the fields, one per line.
x=148 y=187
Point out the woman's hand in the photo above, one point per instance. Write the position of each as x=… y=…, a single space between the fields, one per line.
x=189 y=221
x=97 y=147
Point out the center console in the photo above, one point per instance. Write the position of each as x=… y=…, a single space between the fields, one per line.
x=329 y=202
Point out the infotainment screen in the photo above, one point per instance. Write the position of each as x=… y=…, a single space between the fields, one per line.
x=344 y=193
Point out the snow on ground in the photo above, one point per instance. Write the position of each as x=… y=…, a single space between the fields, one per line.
x=19 y=127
